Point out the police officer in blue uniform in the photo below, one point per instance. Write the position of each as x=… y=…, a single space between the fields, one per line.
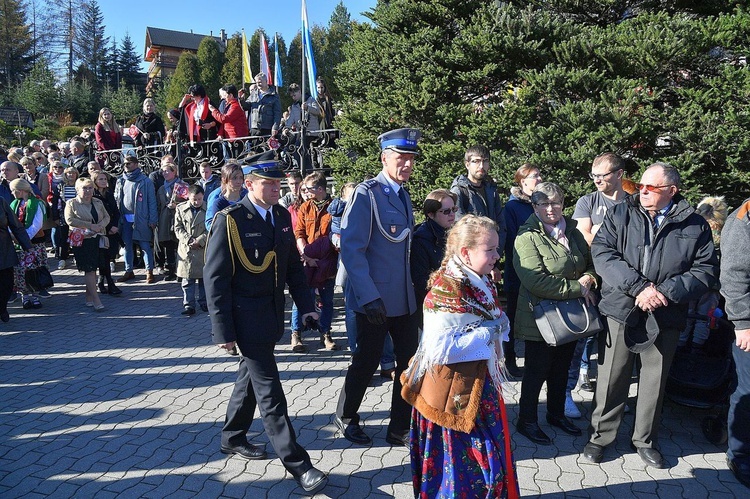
x=375 y=239
x=250 y=256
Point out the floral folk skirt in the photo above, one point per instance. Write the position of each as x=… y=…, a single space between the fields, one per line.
x=448 y=463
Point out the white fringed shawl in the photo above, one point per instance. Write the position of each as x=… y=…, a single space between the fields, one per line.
x=461 y=326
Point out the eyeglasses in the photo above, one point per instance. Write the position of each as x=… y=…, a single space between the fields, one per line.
x=479 y=161
x=651 y=188
x=448 y=211
x=544 y=206
x=597 y=176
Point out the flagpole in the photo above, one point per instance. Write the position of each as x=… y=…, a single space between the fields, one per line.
x=302 y=99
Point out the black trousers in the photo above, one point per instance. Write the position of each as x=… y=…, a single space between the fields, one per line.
x=6 y=287
x=544 y=363
x=509 y=347
x=370 y=340
x=258 y=384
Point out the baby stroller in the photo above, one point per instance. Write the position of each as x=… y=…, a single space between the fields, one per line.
x=705 y=378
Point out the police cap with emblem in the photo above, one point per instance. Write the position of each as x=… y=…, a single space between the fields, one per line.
x=264 y=165
x=403 y=140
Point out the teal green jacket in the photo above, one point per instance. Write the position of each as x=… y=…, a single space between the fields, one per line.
x=547 y=270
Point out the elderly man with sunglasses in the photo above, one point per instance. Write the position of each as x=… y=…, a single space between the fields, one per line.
x=654 y=254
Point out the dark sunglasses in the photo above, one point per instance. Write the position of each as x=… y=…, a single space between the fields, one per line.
x=651 y=188
x=448 y=211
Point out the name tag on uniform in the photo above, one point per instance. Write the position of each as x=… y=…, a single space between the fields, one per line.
x=252 y=234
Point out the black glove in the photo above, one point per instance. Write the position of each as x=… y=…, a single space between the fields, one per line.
x=375 y=311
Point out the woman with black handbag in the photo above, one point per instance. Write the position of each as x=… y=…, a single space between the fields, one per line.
x=553 y=262
x=30 y=212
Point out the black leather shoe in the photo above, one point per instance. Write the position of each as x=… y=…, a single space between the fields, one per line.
x=532 y=432
x=396 y=438
x=651 y=457
x=312 y=480
x=352 y=432
x=593 y=452
x=245 y=451
x=564 y=424
x=740 y=472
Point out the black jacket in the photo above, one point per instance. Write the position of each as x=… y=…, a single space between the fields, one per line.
x=427 y=250
x=679 y=258
x=470 y=201
x=10 y=224
x=248 y=307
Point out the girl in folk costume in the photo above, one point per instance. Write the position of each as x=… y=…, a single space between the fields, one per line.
x=460 y=437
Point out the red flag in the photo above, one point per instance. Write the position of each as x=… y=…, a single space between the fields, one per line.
x=265 y=67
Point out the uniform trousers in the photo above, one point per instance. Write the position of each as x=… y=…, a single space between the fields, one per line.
x=258 y=384
x=613 y=384
x=370 y=341
x=739 y=411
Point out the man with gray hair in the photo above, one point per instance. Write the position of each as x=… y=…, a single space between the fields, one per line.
x=654 y=254
x=264 y=106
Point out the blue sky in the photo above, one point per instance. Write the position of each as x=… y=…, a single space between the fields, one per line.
x=282 y=16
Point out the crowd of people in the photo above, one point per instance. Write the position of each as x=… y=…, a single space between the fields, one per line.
x=423 y=302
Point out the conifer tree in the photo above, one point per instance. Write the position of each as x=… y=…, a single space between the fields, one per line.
x=210 y=62
x=15 y=44
x=554 y=83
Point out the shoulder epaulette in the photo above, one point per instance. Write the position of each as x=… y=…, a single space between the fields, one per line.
x=742 y=212
x=370 y=183
x=230 y=208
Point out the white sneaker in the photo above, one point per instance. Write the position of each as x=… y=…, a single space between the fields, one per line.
x=571 y=409
x=61 y=265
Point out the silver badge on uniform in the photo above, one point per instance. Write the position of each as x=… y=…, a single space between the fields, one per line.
x=393 y=229
x=386 y=190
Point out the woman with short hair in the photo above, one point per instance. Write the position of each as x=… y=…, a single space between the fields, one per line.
x=553 y=262
x=150 y=126
x=86 y=215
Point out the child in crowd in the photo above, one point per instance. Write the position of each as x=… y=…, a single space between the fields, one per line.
x=455 y=381
x=191 y=233
x=336 y=210
x=701 y=311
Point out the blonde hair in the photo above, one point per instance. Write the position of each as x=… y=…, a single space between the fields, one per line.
x=111 y=125
x=464 y=234
x=68 y=171
x=149 y=100
x=84 y=182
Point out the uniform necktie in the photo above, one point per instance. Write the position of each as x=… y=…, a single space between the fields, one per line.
x=268 y=219
x=402 y=195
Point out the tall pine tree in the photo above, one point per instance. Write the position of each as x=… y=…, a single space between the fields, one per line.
x=16 y=44
x=91 y=44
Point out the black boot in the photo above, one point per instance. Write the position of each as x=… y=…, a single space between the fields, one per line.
x=100 y=284
x=113 y=290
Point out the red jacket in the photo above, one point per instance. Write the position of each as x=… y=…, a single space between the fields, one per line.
x=233 y=121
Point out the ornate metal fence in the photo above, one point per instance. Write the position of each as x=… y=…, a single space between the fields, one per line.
x=189 y=156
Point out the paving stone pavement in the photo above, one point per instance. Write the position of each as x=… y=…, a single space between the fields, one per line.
x=130 y=402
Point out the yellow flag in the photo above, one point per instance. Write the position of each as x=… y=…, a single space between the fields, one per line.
x=247 y=75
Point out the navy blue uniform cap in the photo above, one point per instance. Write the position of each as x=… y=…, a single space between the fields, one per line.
x=403 y=140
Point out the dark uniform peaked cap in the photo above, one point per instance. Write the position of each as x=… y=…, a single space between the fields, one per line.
x=403 y=140
x=264 y=165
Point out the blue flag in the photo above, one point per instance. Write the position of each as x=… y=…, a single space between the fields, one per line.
x=277 y=66
x=308 y=51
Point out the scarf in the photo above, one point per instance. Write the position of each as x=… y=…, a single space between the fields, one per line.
x=132 y=176
x=168 y=185
x=26 y=211
x=557 y=232
x=462 y=323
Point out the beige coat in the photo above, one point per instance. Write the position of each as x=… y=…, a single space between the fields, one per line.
x=78 y=214
x=186 y=227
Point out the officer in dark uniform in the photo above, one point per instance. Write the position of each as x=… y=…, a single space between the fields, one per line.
x=375 y=240
x=250 y=256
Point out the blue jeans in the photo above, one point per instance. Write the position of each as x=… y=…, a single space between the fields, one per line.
x=127 y=239
x=581 y=360
x=188 y=292
x=326 y=311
